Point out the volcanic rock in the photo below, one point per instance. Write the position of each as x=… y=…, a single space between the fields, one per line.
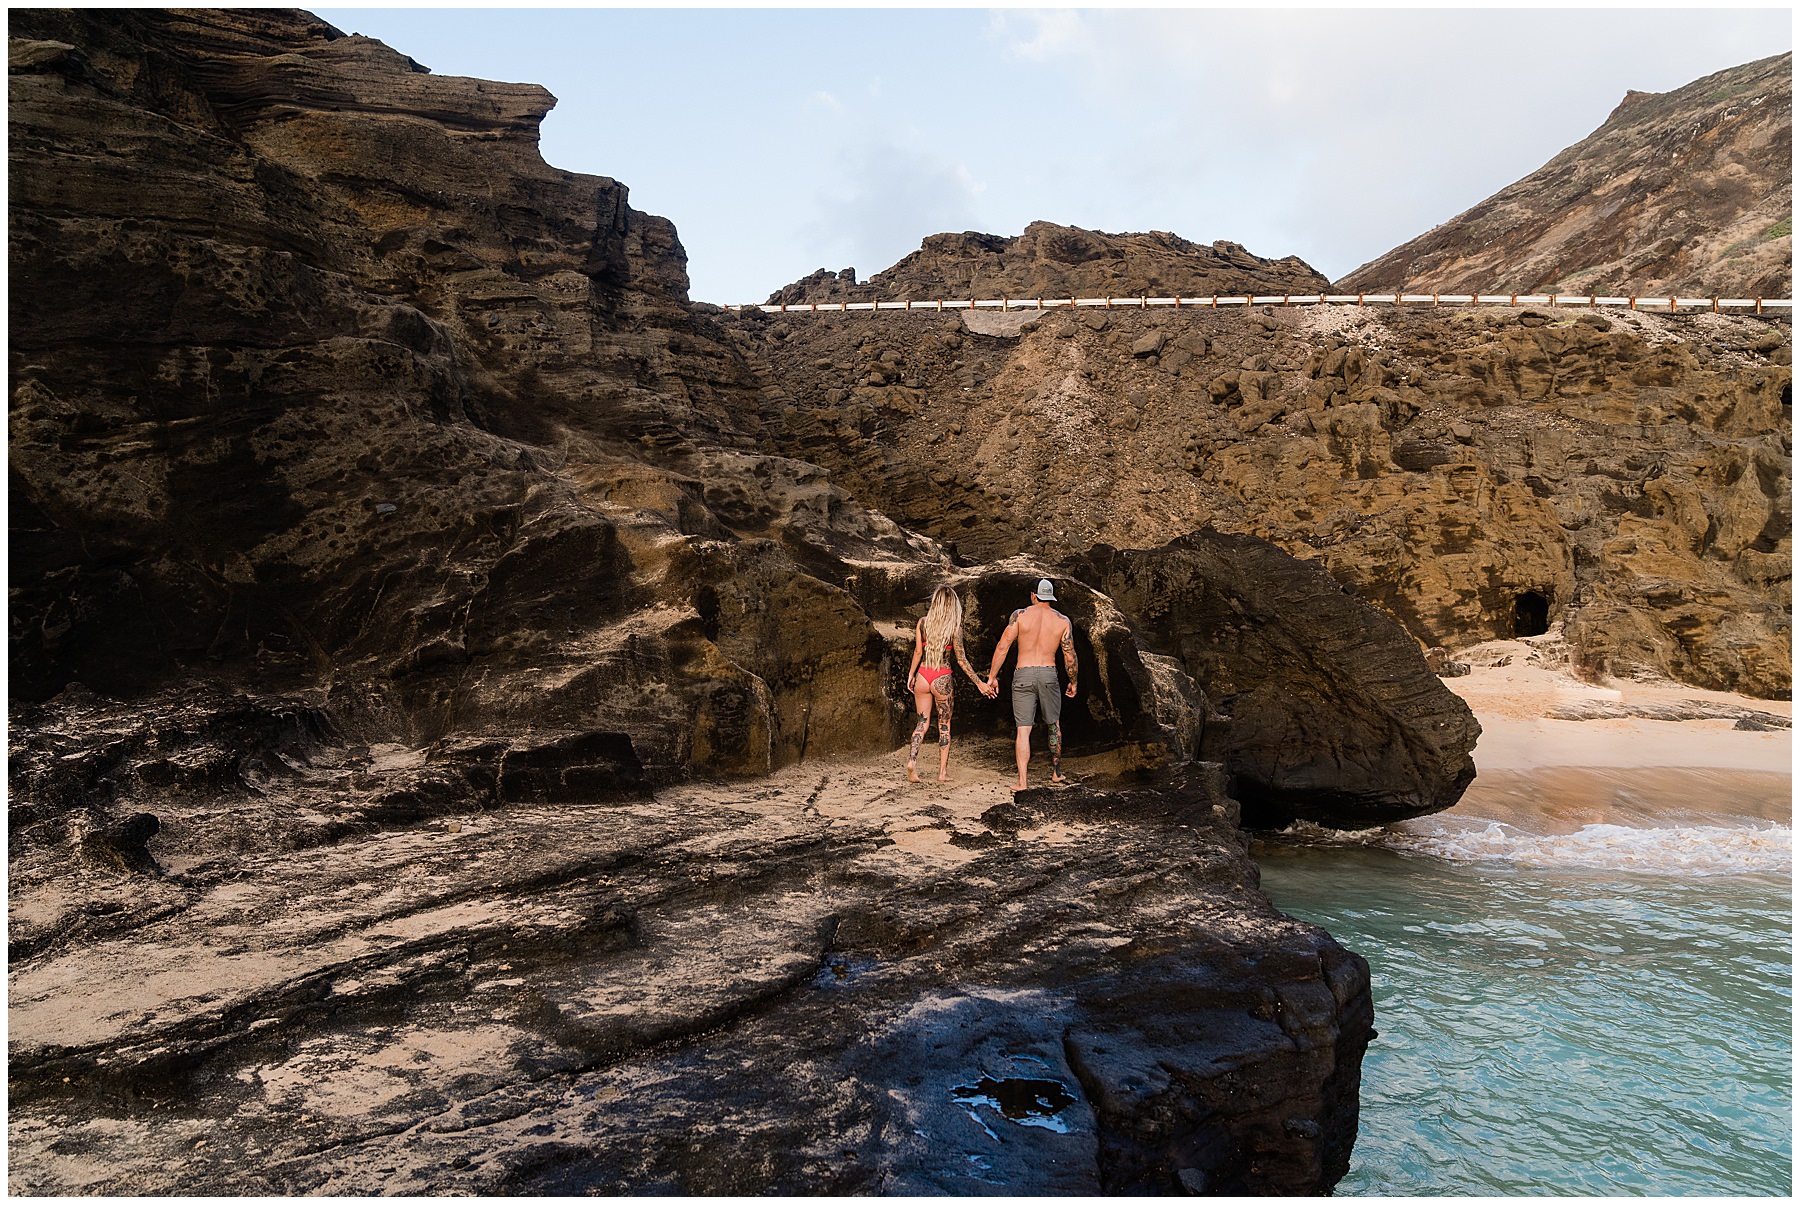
x=1687 y=193
x=363 y=398
x=406 y=598
x=1621 y=477
x=719 y=991
x=1354 y=732
x=1048 y=260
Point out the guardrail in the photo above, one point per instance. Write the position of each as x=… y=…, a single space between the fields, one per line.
x=1760 y=305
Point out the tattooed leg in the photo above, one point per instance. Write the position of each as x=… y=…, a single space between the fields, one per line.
x=1056 y=753
x=923 y=703
x=944 y=707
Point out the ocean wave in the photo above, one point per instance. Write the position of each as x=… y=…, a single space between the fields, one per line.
x=1687 y=850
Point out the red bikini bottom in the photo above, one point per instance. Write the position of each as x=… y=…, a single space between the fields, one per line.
x=932 y=675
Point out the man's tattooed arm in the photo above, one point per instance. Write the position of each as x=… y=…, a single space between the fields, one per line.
x=1006 y=642
x=1068 y=652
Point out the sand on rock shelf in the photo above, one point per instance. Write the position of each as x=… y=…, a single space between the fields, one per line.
x=453 y=707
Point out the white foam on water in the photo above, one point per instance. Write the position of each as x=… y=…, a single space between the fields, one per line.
x=1685 y=850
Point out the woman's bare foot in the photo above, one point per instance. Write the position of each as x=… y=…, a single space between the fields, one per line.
x=912 y=774
x=1057 y=780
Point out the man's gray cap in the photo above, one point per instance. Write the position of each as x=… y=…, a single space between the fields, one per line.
x=1045 y=591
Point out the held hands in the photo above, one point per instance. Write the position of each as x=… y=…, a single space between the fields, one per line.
x=989 y=687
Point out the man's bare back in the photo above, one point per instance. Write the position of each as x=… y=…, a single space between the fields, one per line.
x=1041 y=632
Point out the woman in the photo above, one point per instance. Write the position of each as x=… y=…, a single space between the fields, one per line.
x=936 y=637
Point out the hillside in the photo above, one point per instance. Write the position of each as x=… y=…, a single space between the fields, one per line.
x=1048 y=260
x=1687 y=192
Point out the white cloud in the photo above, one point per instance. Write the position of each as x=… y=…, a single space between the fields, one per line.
x=882 y=199
x=846 y=136
x=1339 y=134
x=1041 y=36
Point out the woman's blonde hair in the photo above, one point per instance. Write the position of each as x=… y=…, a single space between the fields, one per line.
x=943 y=625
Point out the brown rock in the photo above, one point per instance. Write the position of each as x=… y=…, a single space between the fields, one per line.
x=1686 y=193
x=1049 y=261
x=1235 y=611
x=1443 y=467
x=369 y=471
x=1149 y=344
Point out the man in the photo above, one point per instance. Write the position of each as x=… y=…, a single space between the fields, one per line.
x=1039 y=630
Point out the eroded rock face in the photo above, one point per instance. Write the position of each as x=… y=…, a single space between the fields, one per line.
x=1048 y=260
x=389 y=535
x=326 y=384
x=1687 y=193
x=1327 y=710
x=1476 y=473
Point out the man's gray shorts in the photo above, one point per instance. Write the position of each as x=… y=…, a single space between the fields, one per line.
x=1035 y=686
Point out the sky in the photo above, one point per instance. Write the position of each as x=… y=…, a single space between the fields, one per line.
x=780 y=141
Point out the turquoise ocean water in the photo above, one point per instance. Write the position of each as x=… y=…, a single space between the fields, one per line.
x=1602 y=1009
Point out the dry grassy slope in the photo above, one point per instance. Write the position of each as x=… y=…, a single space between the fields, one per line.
x=1687 y=192
x=1630 y=469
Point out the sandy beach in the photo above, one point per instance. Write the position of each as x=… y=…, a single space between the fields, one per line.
x=1540 y=771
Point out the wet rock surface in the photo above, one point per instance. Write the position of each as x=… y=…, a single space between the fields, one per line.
x=1689 y=709
x=794 y=985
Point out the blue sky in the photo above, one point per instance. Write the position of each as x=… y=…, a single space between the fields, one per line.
x=784 y=140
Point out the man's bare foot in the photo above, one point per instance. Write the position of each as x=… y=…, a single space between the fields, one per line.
x=1021 y=785
x=941 y=778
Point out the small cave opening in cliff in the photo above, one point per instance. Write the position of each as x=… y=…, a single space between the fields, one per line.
x=1787 y=396
x=1531 y=615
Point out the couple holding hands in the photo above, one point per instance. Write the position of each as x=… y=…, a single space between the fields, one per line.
x=1038 y=630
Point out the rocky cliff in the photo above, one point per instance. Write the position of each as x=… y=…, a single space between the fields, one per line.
x=443 y=711
x=1477 y=473
x=1048 y=260
x=363 y=396
x=1686 y=193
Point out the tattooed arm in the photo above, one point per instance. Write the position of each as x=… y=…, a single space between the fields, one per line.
x=918 y=652
x=1068 y=656
x=1006 y=642
x=962 y=659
